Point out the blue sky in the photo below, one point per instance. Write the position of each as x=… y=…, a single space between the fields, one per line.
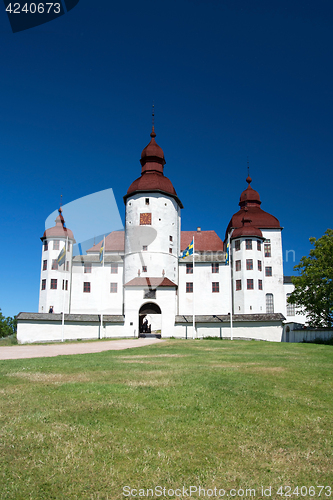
x=229 y=78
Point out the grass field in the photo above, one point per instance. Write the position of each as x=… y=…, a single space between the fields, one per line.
x=183 y=413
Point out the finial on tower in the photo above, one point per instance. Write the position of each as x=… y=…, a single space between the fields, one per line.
x=153 y=122
x=248 y=180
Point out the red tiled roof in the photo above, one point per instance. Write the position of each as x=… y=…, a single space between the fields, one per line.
x=114 y=242
x=204 y=241
x=150 y=282
x=59 y=230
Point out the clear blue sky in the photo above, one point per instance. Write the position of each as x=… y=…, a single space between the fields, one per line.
x=230 y=79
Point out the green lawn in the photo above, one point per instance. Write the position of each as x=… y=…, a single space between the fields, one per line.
x=183 y=413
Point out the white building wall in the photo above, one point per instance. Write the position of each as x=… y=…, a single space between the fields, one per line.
x=165 y=223
x=274 y=283
x=166 y=300
x=296 y=318
x=100 y=300
x=58 y=298
x=206 y=301
x=248 y=301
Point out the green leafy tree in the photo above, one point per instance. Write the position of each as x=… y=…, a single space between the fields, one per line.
x=7 y=325
x=313 y=292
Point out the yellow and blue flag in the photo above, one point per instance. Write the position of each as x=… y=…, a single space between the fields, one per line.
x=101 y=252
x=188 y=250
x=62 y=257
x=227 y=256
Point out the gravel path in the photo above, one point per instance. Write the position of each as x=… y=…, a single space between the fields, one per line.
x=49 y=351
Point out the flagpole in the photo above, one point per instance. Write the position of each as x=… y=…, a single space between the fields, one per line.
x=194 y=332
x=230 y=281
x=100 y=336
x=64 y=290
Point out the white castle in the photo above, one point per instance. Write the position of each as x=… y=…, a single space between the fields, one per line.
x=138 y=276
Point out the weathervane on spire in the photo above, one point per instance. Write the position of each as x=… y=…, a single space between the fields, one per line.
x=248 y=180
x=152 y=135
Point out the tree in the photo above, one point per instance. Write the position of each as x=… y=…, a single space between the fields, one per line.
x=313 y=291
x=7 y=325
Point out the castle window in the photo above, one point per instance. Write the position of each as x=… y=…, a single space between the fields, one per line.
x=170 y=238
x=238 y=284
x=87 y=268
x=46 y=246
x=268 y=271
x=267 y=247
x=238 y=265
x=249 y=264
x=189 y=268
x=144 y=269
x=237 y=245
x=113 y=287
x=290 y=307
x=189 y=287
x=170 y=250
x=248 y=244
x=215 y=286
x=54 y=264
x=43 y=284
x=144 y=248
x=86 y=287
x=114 y=268
x=147 y=201
x=54 y=284
x=56 y=245
x=250 y=284
x=259 y=284
x=66 y=285
x=215 y=267
x=259 y=265
x=269 y=303
x=44 y=265
x=259 y=246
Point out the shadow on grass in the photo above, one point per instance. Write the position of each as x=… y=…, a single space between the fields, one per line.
x=319 y=341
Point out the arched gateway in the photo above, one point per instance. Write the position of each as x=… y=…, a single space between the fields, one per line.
x=150 y=320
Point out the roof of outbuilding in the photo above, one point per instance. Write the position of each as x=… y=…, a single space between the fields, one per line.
x=93 y=318
x=204 y=241
x=225 y=318
x=151 y=282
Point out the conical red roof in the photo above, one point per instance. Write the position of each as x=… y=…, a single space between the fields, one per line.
x=59 y=230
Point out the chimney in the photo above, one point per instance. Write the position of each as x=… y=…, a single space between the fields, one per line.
x=198 y=229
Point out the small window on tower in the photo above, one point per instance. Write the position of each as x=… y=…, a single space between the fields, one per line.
x=147 y=201
x=215 y=267
x=189 y=268
x=238 y=265
x=268 y=249
x=54 y=264
x=215 y=286
x=43 y=284
x=144 y=248
x=259 y=284
x=144 y=269
x=189 y=287
x=248 y=244
x=259 y=265
x=238 y=284
x=66 y=285
x=46 y=246
x=250 y=284
x=87 y=268
x=170 y=238
x=268 y=271
x=237 y=245
x=54 y=284
x=56 y=245
x=113 y=287
x=249 y=264
x=259 y=246
x=114 y=268
x=170 y=250
x=44 y=265
x=86 y=287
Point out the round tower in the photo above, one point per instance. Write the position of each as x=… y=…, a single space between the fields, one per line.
x=152 y=223
x=56 y=267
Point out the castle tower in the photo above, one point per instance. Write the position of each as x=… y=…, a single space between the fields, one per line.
x=257 y=264
x=152 y=242
x=55 y=281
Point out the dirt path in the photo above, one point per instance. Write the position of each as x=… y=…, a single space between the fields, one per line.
x=49 y=351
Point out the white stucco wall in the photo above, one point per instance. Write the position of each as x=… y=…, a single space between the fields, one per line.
x=165 y=223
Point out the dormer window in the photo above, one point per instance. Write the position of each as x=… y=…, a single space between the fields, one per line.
x=147 y=201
